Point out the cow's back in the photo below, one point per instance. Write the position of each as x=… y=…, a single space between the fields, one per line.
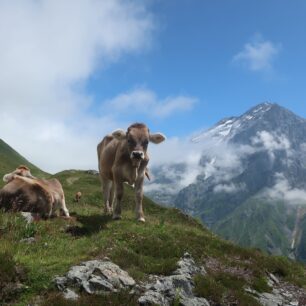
x=53 y=187
x=18 y=195
x=107 y=150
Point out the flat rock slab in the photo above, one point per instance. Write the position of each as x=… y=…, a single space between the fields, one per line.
x=95 y=276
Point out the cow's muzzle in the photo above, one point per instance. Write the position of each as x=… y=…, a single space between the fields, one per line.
x=137 y=155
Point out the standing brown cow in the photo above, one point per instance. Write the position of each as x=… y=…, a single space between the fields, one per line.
x=78 y=196
x=123 y=158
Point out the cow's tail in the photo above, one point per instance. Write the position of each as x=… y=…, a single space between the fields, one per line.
x=147 y=173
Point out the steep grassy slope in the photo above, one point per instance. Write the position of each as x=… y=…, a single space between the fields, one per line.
x=261 y=224
x=10 y=160
x=141 y=249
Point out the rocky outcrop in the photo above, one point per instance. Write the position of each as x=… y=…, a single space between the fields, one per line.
x=94 y=277
x=164 y=290
x=282 y=294
x=103 y=276
x=92 y=172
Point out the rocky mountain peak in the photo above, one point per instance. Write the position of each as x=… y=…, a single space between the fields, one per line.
x=253 y=166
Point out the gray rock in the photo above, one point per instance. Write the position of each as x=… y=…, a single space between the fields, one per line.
x=163 y=290
x=92 y=172
x=60 y=282
x=270 y=299
x=183 y=283
x=195 y=301
x=99 y=284
x=27 y=216
x=187 y=266
x=29 y=240
x=153 y=298
x=95 y=277
x=70 y=295
x=274 y=278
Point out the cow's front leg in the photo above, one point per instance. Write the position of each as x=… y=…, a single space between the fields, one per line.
x=106 y=189
x=139 y=197
x=117 y=200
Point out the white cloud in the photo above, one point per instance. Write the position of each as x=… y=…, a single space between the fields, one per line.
x=222 y=162
x=258 y=55
x=283 y=191
x=303 y=147
x=229 y=188
x=48 y=51
x=145 y=101
x=271 y=143
x=169 y=158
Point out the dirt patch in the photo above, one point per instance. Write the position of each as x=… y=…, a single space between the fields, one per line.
x=77 y=231
x=215 y=266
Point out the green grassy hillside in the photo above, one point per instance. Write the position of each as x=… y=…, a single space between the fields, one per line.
x=10 y=160
x=141 y=249
x=260 y=224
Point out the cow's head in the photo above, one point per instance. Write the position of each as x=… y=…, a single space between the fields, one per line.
x=20 y=171
x=137 y=138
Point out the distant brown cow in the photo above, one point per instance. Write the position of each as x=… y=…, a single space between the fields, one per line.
x=78 y=196
x=24 y=192
x=123 y=158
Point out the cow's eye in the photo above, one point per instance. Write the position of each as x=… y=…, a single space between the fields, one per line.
x=145 y=142
x=130 y=141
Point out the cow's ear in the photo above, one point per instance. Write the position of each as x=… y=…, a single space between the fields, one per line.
x=119 y=134
x=157 y=138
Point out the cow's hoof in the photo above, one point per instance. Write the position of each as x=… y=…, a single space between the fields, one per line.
x=116 y=217
x=141 y=219
x=66 y=217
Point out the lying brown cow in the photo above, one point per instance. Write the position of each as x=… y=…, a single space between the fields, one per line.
x=123 y=158
x=24 y=192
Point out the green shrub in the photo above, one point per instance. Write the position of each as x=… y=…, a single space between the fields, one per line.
x=260 y=284
x=207 y=287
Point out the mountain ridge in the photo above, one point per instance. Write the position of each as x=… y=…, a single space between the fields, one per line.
x=257 y=156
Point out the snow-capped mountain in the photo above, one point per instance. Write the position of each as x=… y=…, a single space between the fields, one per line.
x=251 y=183
x=263 y=116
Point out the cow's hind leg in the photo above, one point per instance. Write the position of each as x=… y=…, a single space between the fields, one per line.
x=64 y=207
x=106 y=190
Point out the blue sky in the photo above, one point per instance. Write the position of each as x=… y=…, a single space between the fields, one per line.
x=76 y=70
x=192 y=53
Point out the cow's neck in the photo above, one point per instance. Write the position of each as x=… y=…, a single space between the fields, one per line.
x=136 y=171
